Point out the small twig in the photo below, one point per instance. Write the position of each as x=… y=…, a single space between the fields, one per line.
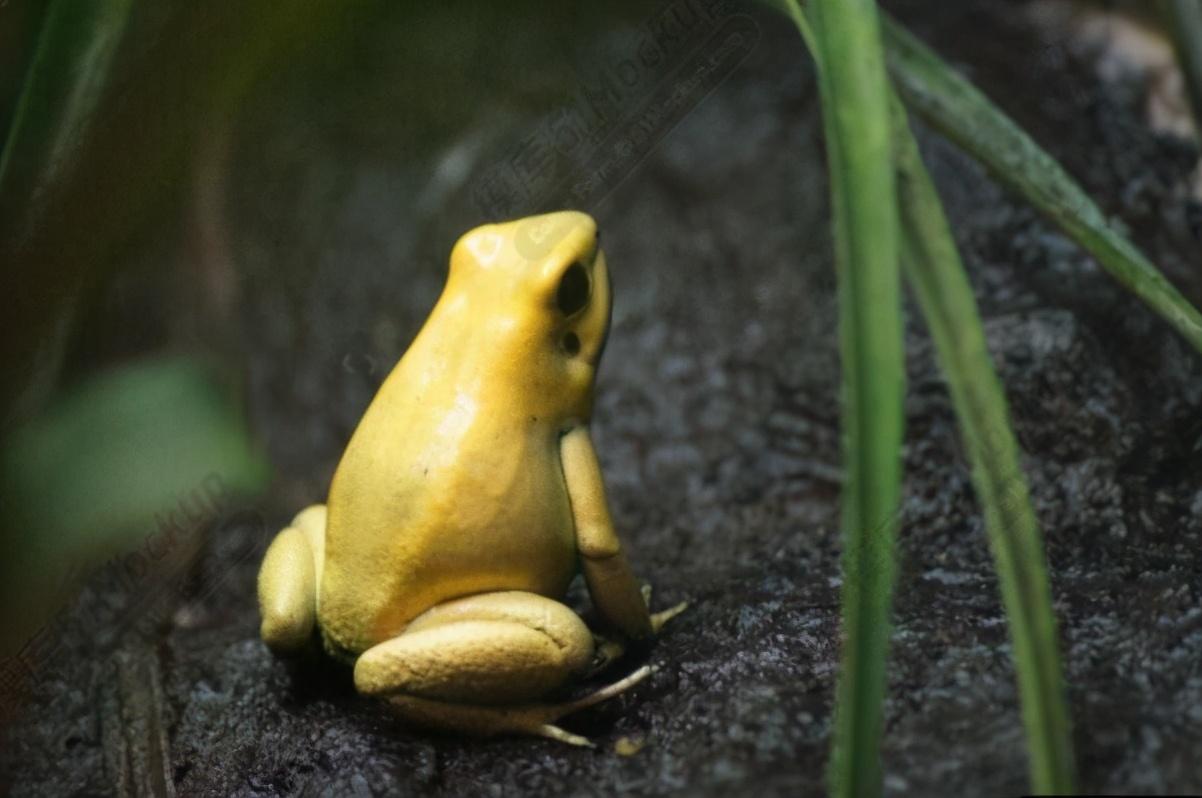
x=133 y=728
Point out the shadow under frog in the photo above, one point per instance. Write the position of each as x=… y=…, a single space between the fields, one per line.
x=467 y=500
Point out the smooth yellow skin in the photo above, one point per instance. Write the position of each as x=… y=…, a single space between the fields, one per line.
x=468 y=498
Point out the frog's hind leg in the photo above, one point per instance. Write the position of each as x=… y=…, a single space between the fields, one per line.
x=289 y=580
x=480 y=664
x=533 y=719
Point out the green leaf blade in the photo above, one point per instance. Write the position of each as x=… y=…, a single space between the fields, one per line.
x=959 y=111
x=856 y=118
x=933 y=268
x=1183 y=18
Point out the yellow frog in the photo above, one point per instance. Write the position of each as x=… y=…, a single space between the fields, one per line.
x=468 y=498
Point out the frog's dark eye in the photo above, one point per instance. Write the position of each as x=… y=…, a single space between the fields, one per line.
x=572 y=295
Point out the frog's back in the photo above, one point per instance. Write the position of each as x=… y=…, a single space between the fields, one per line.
x=451 y=494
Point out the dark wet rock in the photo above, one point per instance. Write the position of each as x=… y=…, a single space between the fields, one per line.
x=717 y=425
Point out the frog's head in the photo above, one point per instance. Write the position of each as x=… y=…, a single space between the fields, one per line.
x=540 y=288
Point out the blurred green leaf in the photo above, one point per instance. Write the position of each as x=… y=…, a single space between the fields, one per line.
x=954 y=107
x=933 y=268
x=91 y=476
x=856 y=117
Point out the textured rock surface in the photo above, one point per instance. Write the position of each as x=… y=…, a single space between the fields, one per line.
x=717 y=425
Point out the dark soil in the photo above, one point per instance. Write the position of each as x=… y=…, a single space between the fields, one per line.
x=717 y=424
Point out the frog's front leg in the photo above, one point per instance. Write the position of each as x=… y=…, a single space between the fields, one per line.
x=289 y=580
x=620 y=601
x=478 y=665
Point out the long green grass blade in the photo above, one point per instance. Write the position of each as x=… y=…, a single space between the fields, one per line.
x=71 y=70
x=933 y=268
x=954 y=106
x=856 y=117
x=1183 y=18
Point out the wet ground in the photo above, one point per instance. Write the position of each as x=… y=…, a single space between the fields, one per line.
x=717 y=426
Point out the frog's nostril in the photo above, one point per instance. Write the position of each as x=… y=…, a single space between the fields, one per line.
x=571 y=343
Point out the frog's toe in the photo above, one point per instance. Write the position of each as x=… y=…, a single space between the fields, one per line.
x=553 y=732
x=596 y=697
x=658 y=619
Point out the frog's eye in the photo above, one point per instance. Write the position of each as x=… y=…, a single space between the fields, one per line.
x=573 y=291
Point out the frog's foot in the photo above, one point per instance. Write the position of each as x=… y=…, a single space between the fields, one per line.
x=288 y=582
x=532 y=719
x=658 y=619
x=480 y=664
x=608 y=650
